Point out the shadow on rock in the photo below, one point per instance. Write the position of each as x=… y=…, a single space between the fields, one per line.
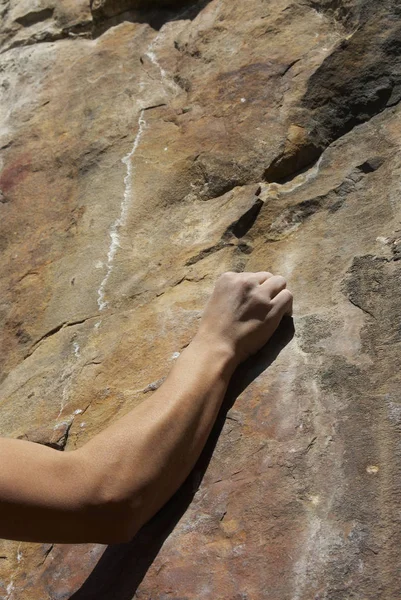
x=122 y=567
x=109 y=13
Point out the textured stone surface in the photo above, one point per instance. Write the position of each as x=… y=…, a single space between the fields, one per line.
x=144 y=152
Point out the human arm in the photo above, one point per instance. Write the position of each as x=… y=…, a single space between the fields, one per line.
x=105 y=491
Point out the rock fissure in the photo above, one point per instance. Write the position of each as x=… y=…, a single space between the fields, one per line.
x=55 y=330
x=245 y=221
x=80 y=31
x=46 y=555
x=365 y=310
x=154 y=106
x=207 y=251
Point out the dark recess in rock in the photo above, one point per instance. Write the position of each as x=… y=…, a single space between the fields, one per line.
x=35 y=16
x=284 y=168
x=245 y=222
x=371 y=165
x=206 y=252
x=107 y=13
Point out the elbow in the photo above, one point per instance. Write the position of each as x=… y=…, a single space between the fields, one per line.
x=112 y=523
x=124 y=526
x=117 y=521
x=110 y=516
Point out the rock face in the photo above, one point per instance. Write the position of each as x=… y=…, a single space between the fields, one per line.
x=144 y=150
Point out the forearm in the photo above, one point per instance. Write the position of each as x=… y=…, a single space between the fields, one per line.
x=144 y=457
x=106 y=490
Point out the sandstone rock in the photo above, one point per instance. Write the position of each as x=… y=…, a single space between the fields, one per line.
x=25 y=23
x=54 y=437
x=136 y=166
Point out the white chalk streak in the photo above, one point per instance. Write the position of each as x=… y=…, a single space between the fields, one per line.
x=168 y=83
x=121 y=220
x=66 y=391
x=9 y=590
x=76 y=349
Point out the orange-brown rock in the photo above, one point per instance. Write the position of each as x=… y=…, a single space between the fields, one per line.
x=144 y=151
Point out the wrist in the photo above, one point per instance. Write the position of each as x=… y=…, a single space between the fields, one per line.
x=219 y=352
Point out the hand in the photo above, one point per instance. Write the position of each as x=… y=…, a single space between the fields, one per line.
x=244 y=311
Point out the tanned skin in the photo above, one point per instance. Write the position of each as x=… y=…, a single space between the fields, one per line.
x=105 y=491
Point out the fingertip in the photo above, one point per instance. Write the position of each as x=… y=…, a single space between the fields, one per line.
x=290 y=303
x=283 y=302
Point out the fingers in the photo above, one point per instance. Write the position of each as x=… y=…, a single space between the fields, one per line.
x=260 y=277
x=281 y=304
x=269 y=285
x=274 y=285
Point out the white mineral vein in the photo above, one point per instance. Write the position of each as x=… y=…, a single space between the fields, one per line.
x=114 y=232
x=126 y=202
x=166 y=80
x=9 y=590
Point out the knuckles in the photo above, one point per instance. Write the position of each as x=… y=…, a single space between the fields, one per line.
x=227 y=276
x=248 y=287
x=259 y=297
x=237 y=282
x=248 y=278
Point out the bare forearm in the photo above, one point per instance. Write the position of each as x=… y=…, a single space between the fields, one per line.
x=106 y=490
x=145 y=456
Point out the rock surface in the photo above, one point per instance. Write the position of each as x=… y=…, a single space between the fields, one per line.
x=143 y=151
